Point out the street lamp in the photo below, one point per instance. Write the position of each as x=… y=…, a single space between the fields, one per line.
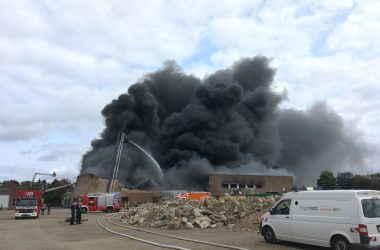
x=34 y=176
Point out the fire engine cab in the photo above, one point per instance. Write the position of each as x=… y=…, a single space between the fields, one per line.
x=27 y=204
x=106 y=202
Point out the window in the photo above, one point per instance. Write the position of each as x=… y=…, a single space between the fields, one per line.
x=233 y=185
x=26 y=202
x=259 y=186
x=241 y=185
x=371 y=208
x=250 y=186
x=282 y=208
x=224 y=185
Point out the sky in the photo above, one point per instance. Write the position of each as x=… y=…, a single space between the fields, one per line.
x=61 y=62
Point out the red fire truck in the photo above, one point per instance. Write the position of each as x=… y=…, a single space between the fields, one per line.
x=27 y=203
x=106 y=202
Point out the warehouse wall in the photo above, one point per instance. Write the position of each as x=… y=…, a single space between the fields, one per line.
x=221 y=184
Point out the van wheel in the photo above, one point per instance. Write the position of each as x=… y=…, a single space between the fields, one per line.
x=340 y=243
x=269 y=235
x=109 y=209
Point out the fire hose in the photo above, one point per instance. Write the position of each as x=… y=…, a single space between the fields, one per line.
x=138 y=239
x=173 y=236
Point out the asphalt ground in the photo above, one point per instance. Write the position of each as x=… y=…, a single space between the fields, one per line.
x=52 y=232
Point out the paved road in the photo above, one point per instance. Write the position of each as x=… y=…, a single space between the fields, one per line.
x=51 y=232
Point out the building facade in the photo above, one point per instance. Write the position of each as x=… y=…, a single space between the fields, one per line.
x=227 y=184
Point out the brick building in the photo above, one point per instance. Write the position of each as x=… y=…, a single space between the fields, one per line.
x=221 y=184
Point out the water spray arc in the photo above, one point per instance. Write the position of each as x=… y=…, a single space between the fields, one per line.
x=123 y=138
x=161 y=174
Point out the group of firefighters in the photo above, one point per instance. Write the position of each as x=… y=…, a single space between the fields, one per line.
x=76 y=211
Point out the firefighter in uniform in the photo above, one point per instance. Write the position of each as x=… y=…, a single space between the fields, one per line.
x=78 y=210
x=72 y=219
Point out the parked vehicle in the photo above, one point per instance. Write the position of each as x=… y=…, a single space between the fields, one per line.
x=340 y=219
x=194 y=196
x=28 y=204
x=107 y=202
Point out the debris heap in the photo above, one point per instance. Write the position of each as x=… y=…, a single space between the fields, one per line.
x=236 y=214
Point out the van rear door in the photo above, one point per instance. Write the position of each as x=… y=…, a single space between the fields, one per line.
x=371 y=219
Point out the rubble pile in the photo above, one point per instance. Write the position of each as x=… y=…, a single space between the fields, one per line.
x=240 y=214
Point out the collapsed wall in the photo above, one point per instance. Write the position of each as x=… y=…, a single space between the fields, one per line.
x=90 y=183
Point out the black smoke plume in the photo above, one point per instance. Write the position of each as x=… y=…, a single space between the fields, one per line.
x=228 y=122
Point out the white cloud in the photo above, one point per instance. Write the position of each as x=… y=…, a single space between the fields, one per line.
x=359 y=33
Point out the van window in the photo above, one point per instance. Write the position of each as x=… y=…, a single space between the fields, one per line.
x=282 y=208
x=371 y=208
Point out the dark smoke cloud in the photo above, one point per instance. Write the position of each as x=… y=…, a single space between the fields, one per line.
x=228 y=122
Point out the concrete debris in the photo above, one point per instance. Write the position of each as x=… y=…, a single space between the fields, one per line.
x=236 y=214
x=202 y=222
x=188 y=225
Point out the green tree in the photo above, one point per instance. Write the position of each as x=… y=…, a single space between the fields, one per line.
x=376 y=181
x=10 y=183
x=25 y=183
x=365 y=182
x=327 y=180
x=54 y=198
x=345 y=180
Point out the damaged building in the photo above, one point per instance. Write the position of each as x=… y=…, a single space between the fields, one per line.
x=222 y=184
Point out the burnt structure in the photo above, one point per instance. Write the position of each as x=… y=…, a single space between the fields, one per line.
x=221 y=184
x=140 y=196
x=90 y=183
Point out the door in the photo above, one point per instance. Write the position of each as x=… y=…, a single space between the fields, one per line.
x=281 y=220
x=4 y=201
x=92 y=204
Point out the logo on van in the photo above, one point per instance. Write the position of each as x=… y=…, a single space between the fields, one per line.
x=329 y=209
x=313 y=208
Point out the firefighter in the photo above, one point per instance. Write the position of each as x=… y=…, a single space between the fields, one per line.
x=125 y=205
x=43 y=207
x=72 y=219
x=78 y=210
x=48 y=208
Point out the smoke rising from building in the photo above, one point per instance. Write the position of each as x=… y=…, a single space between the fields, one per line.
x=228 y=122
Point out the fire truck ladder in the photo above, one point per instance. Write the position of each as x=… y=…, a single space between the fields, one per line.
x=117 y=162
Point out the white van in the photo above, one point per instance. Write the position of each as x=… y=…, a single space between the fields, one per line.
x=340 y=219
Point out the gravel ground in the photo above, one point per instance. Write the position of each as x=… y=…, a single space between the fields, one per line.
x=52 y=232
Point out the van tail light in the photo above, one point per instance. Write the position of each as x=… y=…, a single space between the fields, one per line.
x=363 y=230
